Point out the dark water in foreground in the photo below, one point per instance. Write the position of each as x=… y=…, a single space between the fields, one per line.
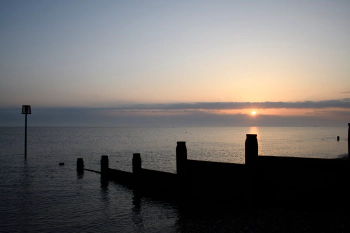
x=37 y=195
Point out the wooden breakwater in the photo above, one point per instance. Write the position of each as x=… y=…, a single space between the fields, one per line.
x=263 y=181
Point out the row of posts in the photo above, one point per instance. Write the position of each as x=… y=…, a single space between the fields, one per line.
x=251 y=155
x=183 y=183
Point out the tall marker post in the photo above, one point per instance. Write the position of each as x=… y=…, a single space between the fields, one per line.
x=26 y=110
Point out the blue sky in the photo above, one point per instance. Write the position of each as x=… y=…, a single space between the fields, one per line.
x=136 y=57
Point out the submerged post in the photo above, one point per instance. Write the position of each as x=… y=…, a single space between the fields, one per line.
x=136 y=169
x=80 y=165
x=25 y=110
x=104 y=166
x=251 y=149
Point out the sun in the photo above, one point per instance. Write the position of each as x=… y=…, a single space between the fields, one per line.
x=253 y=113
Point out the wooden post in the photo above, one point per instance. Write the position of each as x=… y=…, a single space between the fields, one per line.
x=349 y=141
x=181 y=163
x=251 y=149
x=251 y=157
x=80 y=165
x=136 y=169
x=181 y=158
x=104 y=166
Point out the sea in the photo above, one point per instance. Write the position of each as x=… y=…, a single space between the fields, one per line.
x=39 y=195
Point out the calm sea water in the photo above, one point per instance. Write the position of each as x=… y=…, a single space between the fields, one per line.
x=38 y=195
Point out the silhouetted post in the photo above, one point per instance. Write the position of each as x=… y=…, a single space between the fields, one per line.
x=338 y=138
x=181 y=161
x=251 y=149
x=26 y=110
x=104 y=166
x=80 y=165
x=251 y=157
x=181 y=158
x=349 y=141
x=136 y=169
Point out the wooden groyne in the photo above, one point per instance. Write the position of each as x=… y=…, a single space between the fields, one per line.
x=263 y=181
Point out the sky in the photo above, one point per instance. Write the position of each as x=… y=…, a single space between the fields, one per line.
x=111 y=63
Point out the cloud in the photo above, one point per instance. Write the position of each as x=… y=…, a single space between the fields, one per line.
x=344 y=103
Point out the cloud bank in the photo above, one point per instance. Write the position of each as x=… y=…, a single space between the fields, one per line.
x=322 y=113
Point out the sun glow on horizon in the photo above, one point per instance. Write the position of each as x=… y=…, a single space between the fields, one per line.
x=253 y=113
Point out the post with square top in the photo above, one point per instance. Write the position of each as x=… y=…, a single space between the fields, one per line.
x=80 y=165
x=25 y=110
